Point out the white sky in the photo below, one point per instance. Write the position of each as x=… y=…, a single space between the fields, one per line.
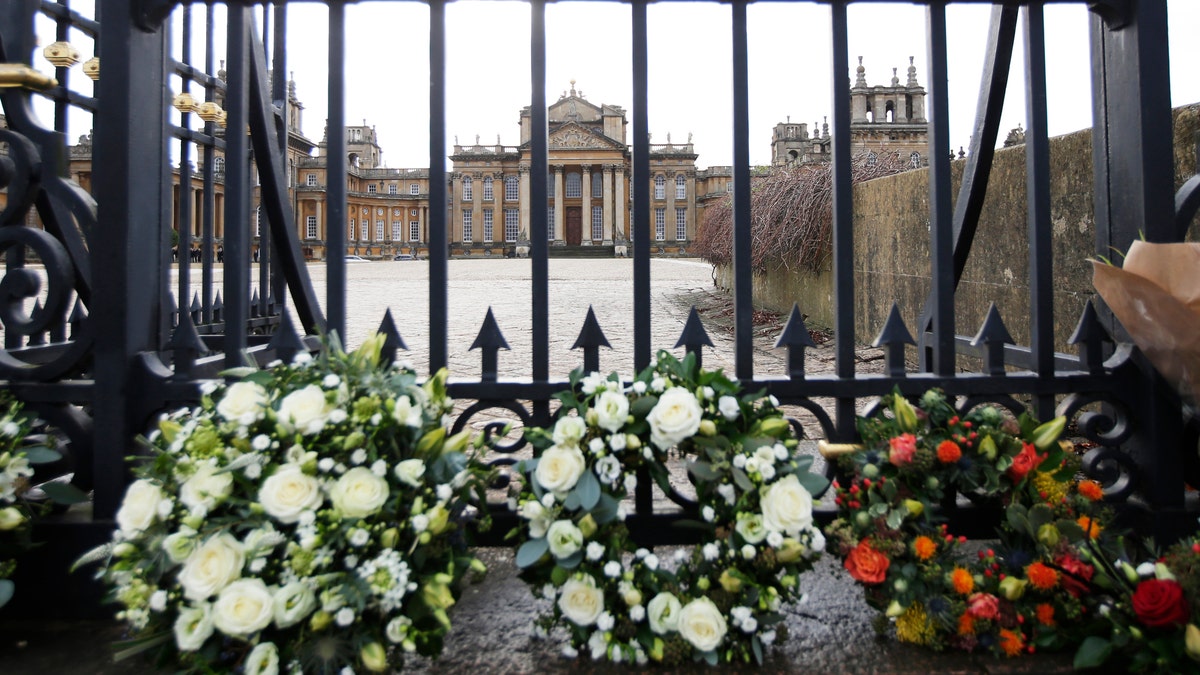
x=689 y=71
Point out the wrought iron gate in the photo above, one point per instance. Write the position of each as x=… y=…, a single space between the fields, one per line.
x=113 y=342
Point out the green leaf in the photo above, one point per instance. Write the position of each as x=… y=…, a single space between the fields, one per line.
x=709 y=657
x=588 y=489
x=531 y=551
x=572 y=561
x=606 y=510
x=895 y=518
x=130 y=648
x=742 y=480
x=64 y=493
x=1071 y=530
x=40 y=454
x=642 y=406
x=814 y=483
x=263 y=377
x=1040 y=515
x=703 y=471
x=1016 y=517
x=877 y=509
x=1092 y=653
x=756 y=645
x=571 y=503
x=889 y=490
x=803 y=463
x=7 y=587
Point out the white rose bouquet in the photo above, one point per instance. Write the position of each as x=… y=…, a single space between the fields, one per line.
x=620 y=602
x=305 y=518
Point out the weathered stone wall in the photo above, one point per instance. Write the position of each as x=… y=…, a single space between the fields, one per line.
x=891 y=248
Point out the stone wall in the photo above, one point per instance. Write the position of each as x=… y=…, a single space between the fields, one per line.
x=891 y=248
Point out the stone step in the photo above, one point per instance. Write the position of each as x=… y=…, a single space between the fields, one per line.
x=582 y=251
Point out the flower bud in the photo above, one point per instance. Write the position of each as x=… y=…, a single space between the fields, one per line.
x=729 y=582
x=906 y=415
x=10 y=518
x=901 y=585
x=1130 y=572
x=788 y=581
x=458 y=442
x=915 y=506
x=708 y=428
x=789 y=551
x=439 y=519
x=1135 y=632
x=703 y=584
x=870 y=471
x=477 y=566
x=1046 y=435
x=320 y=620
x=374 y=657
x=894 y=609
x=592 y=417
x=587 y=525
x=1048 y=535
x=862 y=519
x=1192 y=641
x=932 y=482
x=987 y=448
x=354 y=440
x=1163 y=573
x=774 y=426
x=389 y=538
x=1012 y=588
x=632 y=441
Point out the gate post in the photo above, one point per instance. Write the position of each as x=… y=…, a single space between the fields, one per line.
x=131 y=185
x=1134 y=196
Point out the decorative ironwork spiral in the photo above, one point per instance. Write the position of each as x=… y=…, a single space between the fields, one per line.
x=1100 y=427
x=493 y=434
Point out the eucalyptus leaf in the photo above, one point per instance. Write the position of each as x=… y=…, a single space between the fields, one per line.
x=606 y=509
x=1040 y=515
x=756 y=645
x=64 y=493
x=1092 y=653
x=532 y=551
x=7 y=588
x=803 y=463
x=877 y=509
x=642 y=406
x=572 y=561
x=895 y=518
x=703 y=471
x=1016 y=515
x=588 y=490
x=40 y=454
x=742 y=480
x=814 y=483
x=571 y=503
x=1071 y=530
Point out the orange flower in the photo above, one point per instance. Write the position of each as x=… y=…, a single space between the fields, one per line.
x=962 y=581
x=966 y=624
x=924 y=547
x=1011 y=642
x=1041 y=576
x=1045 y=614
x=1091 y=490
x=866 y=564
x=948 y=452
x=1090 y=526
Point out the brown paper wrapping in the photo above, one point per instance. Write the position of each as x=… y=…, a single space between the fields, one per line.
x=1156 y=297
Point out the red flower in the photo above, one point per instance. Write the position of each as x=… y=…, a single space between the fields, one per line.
x=1025 y=461
x=948 y=452
x=1075 y=574
x=1159 y=603
x=983 y=606
x=904 y=447
x=866 y=564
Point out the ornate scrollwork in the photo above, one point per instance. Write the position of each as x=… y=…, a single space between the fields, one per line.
x=1106 y=428
x=493 y=434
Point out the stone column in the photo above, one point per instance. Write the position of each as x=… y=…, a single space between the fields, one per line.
x=587 y=205
x=621 y=206
x=669 y=216
x=421 y=233
x=693 y=226
x=607 y=204
x=476 y=199
x=558 y=203
x=322 y=226
x=456 y=206
x=523 y=224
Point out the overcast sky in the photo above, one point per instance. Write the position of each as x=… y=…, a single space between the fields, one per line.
x=690 y=71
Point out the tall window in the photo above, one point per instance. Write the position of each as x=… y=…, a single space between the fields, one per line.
x=364 y=231
x=468 y=186
x=680 y=187
x=310 y=227
x=660 y=187
x=309 y=180
x=258 y=221
x=379 y=230
x=353 y=230
x=680 y=224
x=512 y=220
x=914 y=160
x=396 y=230
x=488 y=226
x=574 y=185
x=414 y=189
x=511 y=188
x=660 y=224
x=549 y=223
x=392 y=189
x=597 y=222
x=597 y=188
x=371 y=188
x=487 y=189
x=467 y=234
x=219 y=164
x=414 y=230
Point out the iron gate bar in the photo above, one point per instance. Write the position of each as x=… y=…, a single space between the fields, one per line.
x=843 y=225
x=941 y=226
x=439 y=236
x=237 y=182
x=640 y=226
x=743 y=294
x=335 y=175
x=183 y=249
x=539 y=150
x=209 y=190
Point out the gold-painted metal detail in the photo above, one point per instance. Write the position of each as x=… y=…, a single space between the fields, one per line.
x=19 y=75
x=209 y=111
x=61 y=54
x=833 y=450
x=184 y=103
x=91 y=68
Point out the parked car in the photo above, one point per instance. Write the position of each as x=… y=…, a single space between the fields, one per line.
x=405 y=256
x=356 y=259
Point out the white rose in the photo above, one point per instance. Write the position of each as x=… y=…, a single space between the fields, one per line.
x=406 y=413
x=263 y=660
x=410 y=472
x=787 y=506
x=359 y=493
x=243 y=608
x=701 y=624
x=729 y=407
x=581 y=601
x=564 y=538
x=243 y=403
x=206 y=487
x=569 y=430
x=559 y=468
x=289 y=492
x=292 y=604
x=179 y=545
x=612 y=409
x=674 y=418
x=192 y=627
x=663 y=611
x=212 y=566
x=304 y=411
x=539 y=519
x=139 y=508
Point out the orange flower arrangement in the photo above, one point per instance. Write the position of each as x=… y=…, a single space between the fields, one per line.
x=1011 y=642
x=1042 y=576
x=1090 y=526
x=1091 y=490
x=948 y=452
x=1045 y=614
x=962 y=581
x=924 y=547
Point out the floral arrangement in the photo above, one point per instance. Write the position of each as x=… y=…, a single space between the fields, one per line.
x=1024 y=593
x=1150 y=610
x=305 y=518
x=719 y=603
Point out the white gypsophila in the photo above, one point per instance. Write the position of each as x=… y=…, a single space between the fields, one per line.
x=304 y=411
x=702 y=624
x=158 y=601
x=727 y=493
x=729 y=407
x=253 y=470
x=559 y=467
x=774 y=539
x=260 y=442
x=358 y=456
x=663 y=612
x=657 y=384
x=787 y=506
x=564 y=538
x=596 y=446
x=605 y=621
x=708 y=513
x=420 y=523
x=206 y=487
x=243 y=403
x=289 y=492
x=388 y=576
x=263 y=660
x=537 y=515
x=193 y=626
x=641 y=553
x=359 y=537
x=750 y=526
x=359 y=493
x=612 y=569
x=767 y=637
x=637 y=613
x=339 y=468
x=612 y=410
x=608 y=469
x=675 y=417
x=648 y=453
x=139 y=508
x=379 y=468
x=711 y=551
x=211 y=566
x=344 y=617
x=243 y=608
x=410 y=471
x=569 y=430
x=638 y=387
x=330 y=381
x=595 y=550
x=598 y=645
x=581 y=601
x=444 y=492
x=748 y=552
x=549 y=592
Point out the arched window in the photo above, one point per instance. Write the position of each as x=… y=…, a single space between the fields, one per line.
x=872 y=158
x=680 y=187
x=468 y=187
x=914 y=160
x=660 y=187
x=574 y=185
x=890 y=112
x=219 y=164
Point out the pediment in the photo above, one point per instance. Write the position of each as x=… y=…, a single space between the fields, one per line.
x=574 y=109
x=575 y=136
